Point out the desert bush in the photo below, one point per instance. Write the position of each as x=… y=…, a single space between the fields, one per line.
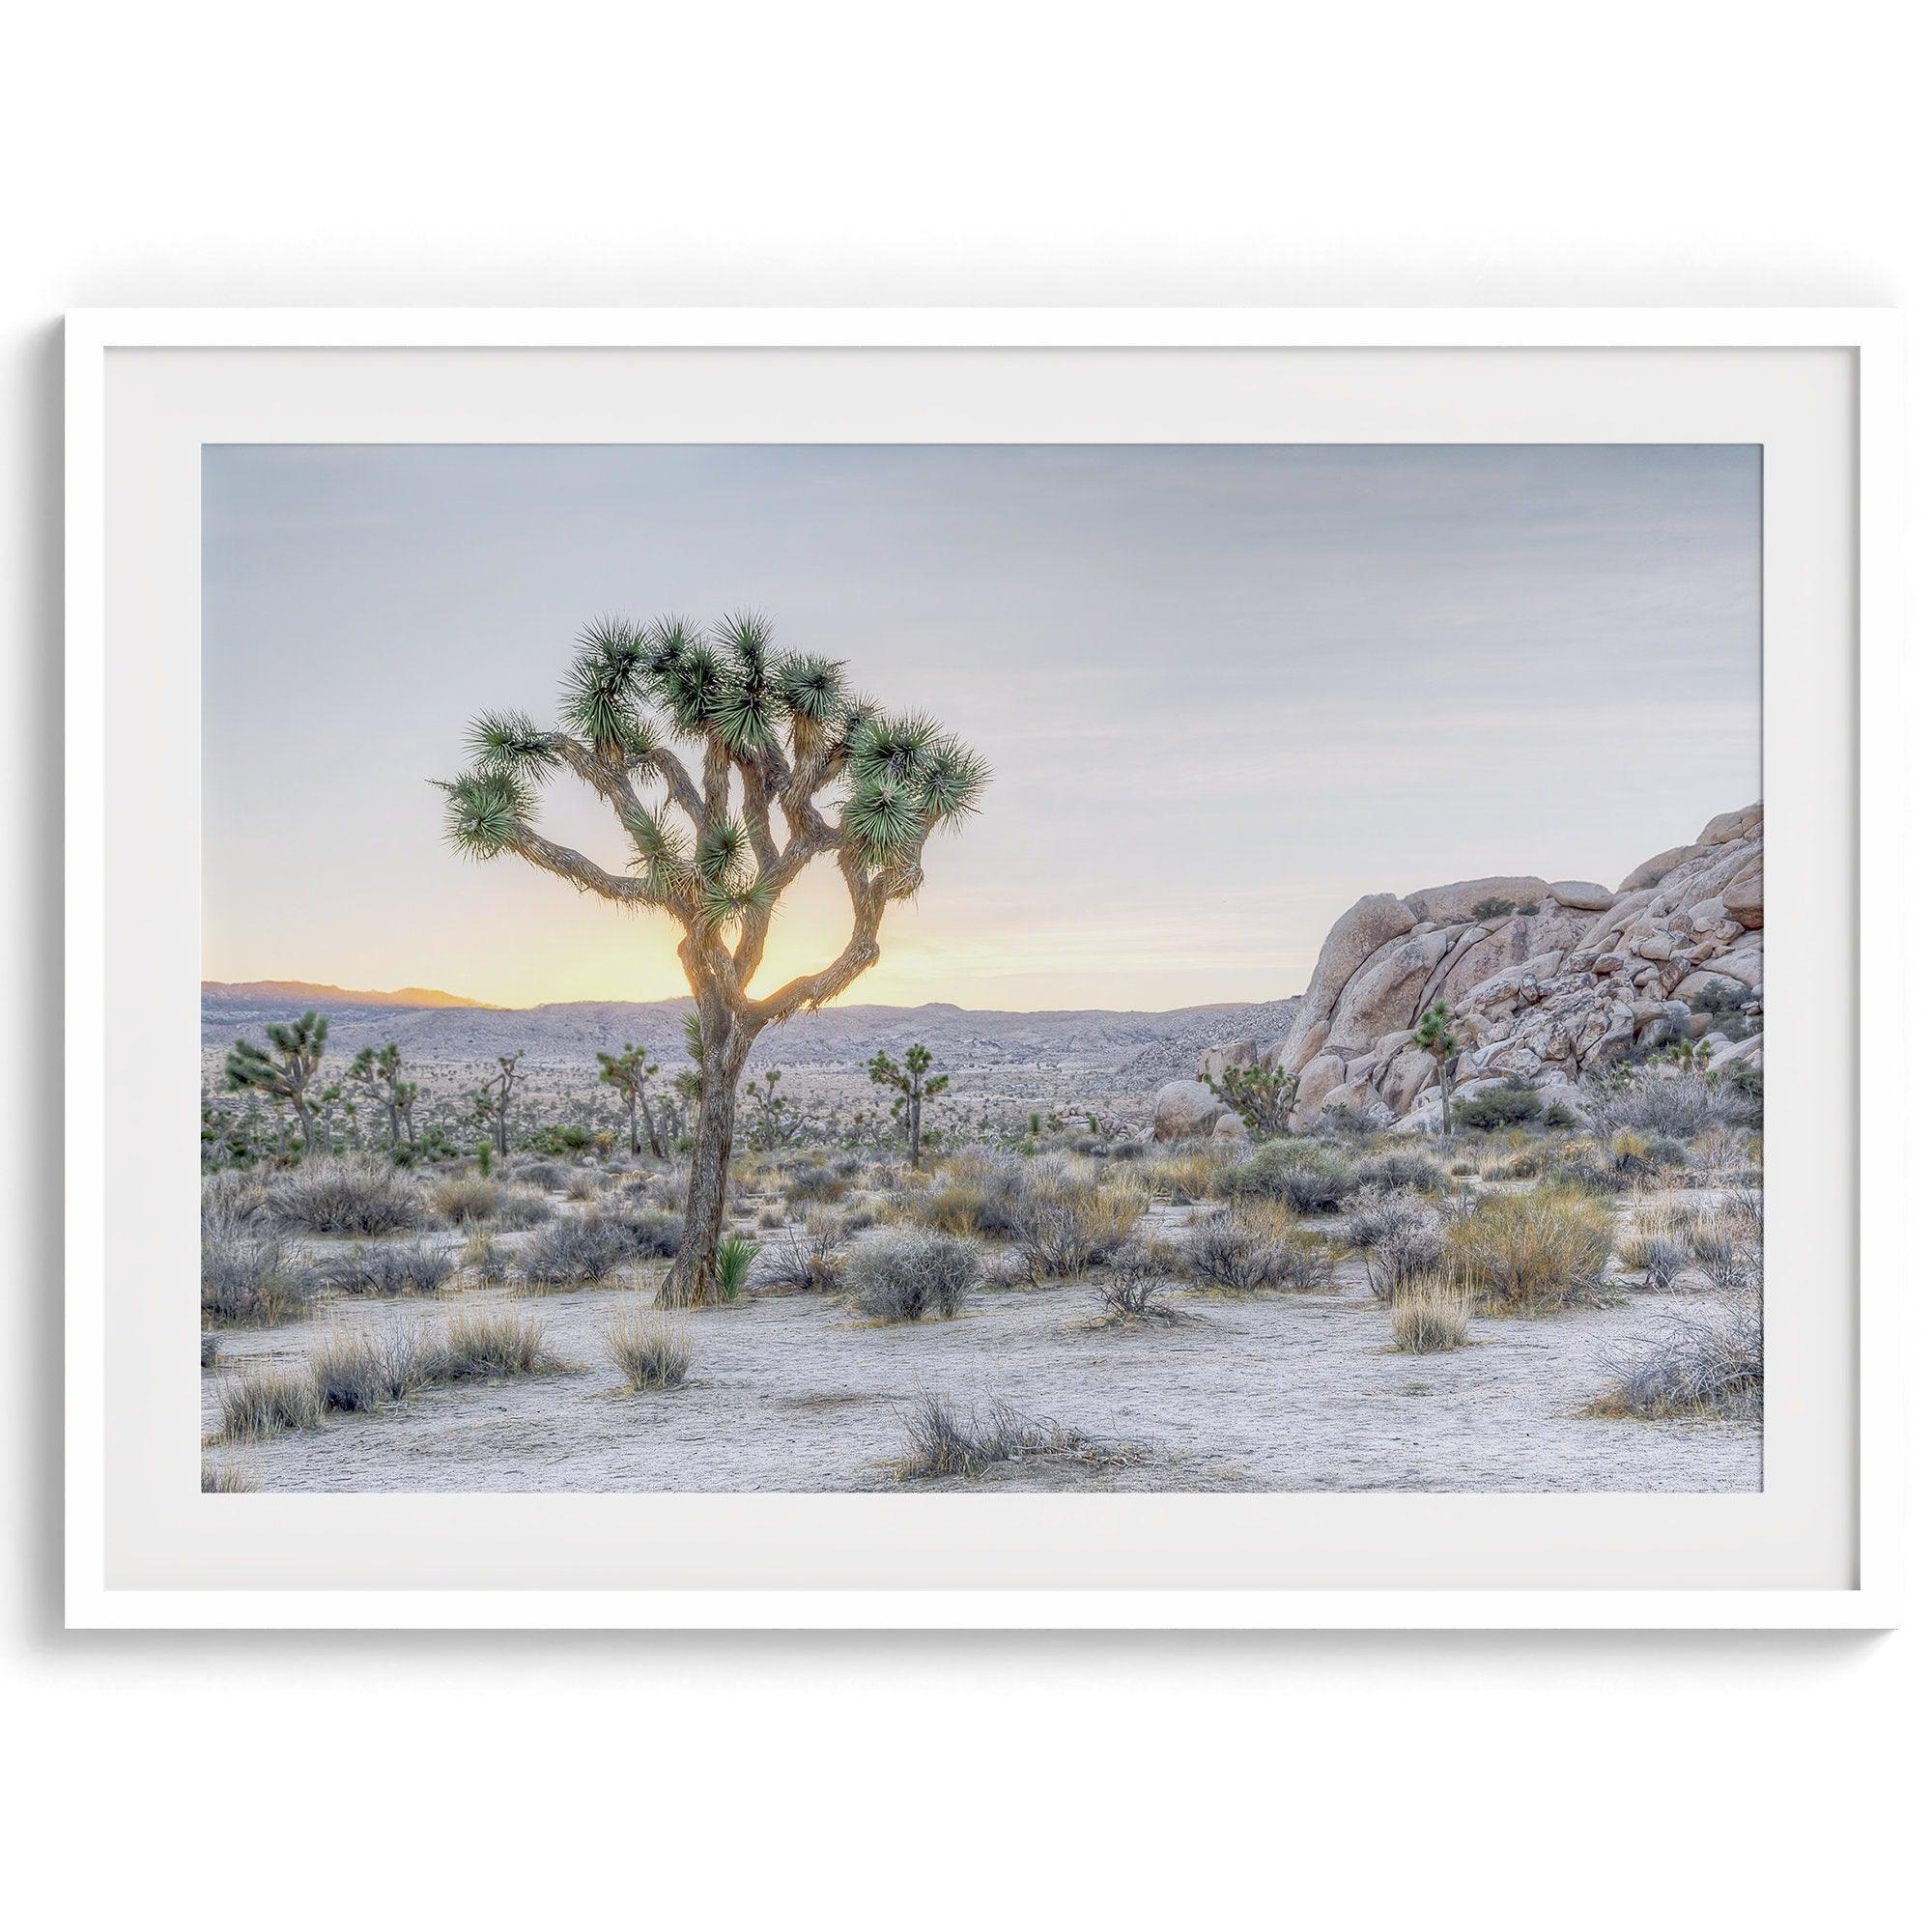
x=771 y=1219
x=485 y=1346
x=418 y=1268
x=265 y=1401
x=1493 y=1107
x=1253 y=1246
x=1186 y=1178
x=523 y=1208
x=224 y=1479
x=463 y=1197
x=359 y=1373
x=1397 y=1172
x=1400 y=1241
x=248 y=1279
x=580 y=1249
x=544 y=1174
x=1656 y=1099
x=210 y=1349
x=1134 y=1289
x=984 y=1193
x=898 y=1274
x=582 y=1183
x=944 y=1438
x=1524 y=1254
x=818 y=1185
x=1728 y=1261
x=652 y=1351
x=806 y=1260
x=1711 y=1365
x=1303 y=1174
x=344 y=1197
x=1065 y=1233
x=1430 y=1315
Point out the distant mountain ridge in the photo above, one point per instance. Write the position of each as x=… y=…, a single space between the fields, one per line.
x=571 y=1033
x=279 y=992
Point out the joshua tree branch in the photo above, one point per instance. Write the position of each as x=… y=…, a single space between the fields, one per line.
x=869 y=895
x=549 y=857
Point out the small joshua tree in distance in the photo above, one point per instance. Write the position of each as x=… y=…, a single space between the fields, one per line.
x=377 y=1072
x=1264 y=1096
x=287 y=1072
x=784 y=765
x=1435 y=1037
x=775 y=1120
x=914 y=1083
x=493 y=1101
x=630 y=1073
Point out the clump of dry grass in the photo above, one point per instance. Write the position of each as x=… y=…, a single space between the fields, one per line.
x=652 y=1351
x=1528 y=1254
x=464 y=1197
x=224 y=1479
x=946 y=1439
x=1428 y=1315
x=1186 y=1178
x=360 y=1374
x=479 y=1348
x=808 y=1260
x=261 y=1403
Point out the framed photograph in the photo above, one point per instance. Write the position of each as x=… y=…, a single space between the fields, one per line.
x=984 y=968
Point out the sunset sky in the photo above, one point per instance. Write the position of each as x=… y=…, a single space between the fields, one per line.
x=1225 y=690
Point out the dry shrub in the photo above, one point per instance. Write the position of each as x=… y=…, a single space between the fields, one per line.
x=224 y=1479
x=1525 y=1254
x=1400 y=1241
x=420 y=1268
x=898 y=1274
x=344 y=1197
x=1710 y=1366
x=1256 y=1245
x=805 y=1262
x=1428 y=1315
x=249 y=1279
x=1187 y=1177
x=652 y=1351
x=1134 y=1289
x=1300 y=1173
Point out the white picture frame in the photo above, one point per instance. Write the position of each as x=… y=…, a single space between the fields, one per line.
x=1854 y=790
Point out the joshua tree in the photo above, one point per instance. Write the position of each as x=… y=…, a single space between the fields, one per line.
x=630 y=1073
x=286 y=1072
x=493 y=1100
x=1433 y=1035
x=1264 y=1096
x=914 y=1084
x=771 y=736
x=775 y=1120
x=379 y=1072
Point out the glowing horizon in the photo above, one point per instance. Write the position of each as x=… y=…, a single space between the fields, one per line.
x=1225 y=689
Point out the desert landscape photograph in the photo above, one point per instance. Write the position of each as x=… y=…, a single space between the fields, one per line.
x=937 y=967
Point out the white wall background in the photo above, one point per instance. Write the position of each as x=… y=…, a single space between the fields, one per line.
x=844 y=153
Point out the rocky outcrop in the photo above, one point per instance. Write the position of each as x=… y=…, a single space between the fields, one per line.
x=1545 y=980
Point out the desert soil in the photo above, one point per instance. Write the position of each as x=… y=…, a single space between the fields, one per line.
x=794 y=1393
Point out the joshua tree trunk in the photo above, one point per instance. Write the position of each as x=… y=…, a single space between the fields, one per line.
x=1446 y=1078
x=655 y=1132
x=692 y=1280
x=912 y=1118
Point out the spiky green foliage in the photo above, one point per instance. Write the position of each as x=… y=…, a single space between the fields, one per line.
x=914 y=1085
x=509 y=741
x=486 y=810
x=906 y=775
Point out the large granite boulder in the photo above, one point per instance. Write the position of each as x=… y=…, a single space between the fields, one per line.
x=1547 y=983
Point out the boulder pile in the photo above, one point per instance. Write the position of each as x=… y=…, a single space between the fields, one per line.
x=1546 y=980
